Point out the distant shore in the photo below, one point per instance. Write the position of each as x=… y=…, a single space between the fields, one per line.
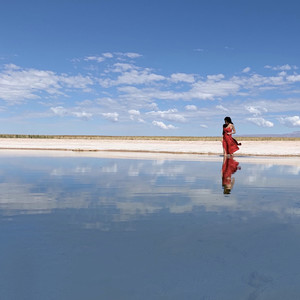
x=152 y=138
x=172 y=145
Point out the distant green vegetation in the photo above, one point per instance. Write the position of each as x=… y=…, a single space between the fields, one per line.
x=155 y=138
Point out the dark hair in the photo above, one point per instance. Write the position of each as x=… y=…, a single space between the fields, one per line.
x=228 y=119
x=226 y=190
x=224 y=126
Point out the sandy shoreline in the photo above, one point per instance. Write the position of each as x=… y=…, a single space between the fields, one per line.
x=248 y=148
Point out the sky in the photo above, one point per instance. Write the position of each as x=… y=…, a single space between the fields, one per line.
x=149 y=68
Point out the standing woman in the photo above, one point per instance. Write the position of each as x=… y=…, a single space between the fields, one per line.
x=229 y=144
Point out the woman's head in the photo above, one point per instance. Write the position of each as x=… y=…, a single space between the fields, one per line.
x=228 y=120
x=227 y=190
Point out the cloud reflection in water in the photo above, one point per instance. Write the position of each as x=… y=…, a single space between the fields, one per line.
x=130 y=189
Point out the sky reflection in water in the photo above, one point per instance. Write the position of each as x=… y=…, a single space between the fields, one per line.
x=94 y=228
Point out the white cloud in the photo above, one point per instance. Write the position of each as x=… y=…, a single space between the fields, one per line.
x=169 y=115
x=95 y=58
x=293 y=121
x=82 y=114
x=201 y=90
x=108 y=55
x=163 y=125
x=221 y=107
x=209 y=90
x=203 y=126
x=135 y=115
x=270 y=106
x=144 y=89
x=62 y=112
x=215 y=86
x=261 y=122
x=182 y=77
x=134 y=112
x=121 y=67
x=254 y=110
x=132 y=54
x=293 y=78
x=59 y=111
x=285 y=67
x=191 y=107
x=246 y=70
x=111 y=116
x=153 y=106
x=215 y=77
x=78 y=82
x=132 y=77
x=17 y=84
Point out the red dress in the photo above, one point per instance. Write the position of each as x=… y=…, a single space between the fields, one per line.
x=229 y=167
x=229 y=144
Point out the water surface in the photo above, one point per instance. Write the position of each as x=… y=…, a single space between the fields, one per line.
x=98 y=228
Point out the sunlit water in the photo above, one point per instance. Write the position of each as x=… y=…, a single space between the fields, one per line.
x=94 y=228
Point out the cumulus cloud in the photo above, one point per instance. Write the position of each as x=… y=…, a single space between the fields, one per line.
x=293 y=78
x=255 y=110
x=191 y=107
x=163 y=125
x=221 y=107
x=122 y=67
x=132 y=54
x=182 y=77
x=201 y=90
x=261 y=122
x=62 y=112
x=109 y=55
x=95 y=58
x=285 y=67
x=215 y=77
x=59 y=111
x=131 y=77
x=169 y=115
x=17 y=84
x=212 y=87
x=246 y=70
x=114 y=117
x=82 y=114
x=131 y=86
x=153 y=106
x=134 y=112
x=293 y=121
x=135 y=115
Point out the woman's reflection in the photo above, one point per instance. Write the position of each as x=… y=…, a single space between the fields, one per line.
x=229 y=167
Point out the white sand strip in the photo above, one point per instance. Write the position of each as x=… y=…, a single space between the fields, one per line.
x=256 y=148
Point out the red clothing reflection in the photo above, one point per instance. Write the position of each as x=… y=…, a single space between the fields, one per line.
x=229 y=167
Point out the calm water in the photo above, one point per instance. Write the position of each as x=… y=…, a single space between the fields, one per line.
x=93 y=228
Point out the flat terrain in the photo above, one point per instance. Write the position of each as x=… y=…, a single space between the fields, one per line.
x=173 y=145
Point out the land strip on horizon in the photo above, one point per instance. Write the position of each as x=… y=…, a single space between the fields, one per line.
x=155 y=138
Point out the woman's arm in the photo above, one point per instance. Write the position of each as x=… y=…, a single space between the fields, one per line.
x=232 y=128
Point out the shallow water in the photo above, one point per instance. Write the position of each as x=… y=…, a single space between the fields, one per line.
x=94 y=228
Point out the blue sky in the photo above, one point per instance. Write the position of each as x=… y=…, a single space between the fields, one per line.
x=140 y=67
